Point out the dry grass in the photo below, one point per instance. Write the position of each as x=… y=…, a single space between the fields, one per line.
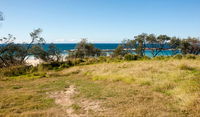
x=138 y=88
x=173 y=86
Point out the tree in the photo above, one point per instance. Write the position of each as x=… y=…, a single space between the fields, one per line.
x=36 y=39
x=11 y=53
x=175 y=44
x=140 y=44
x=16 y=54
x=157 y=44
x=38 y=52
x=84 y=49
x=129 y=45
x=54 y=53
x=190 y=46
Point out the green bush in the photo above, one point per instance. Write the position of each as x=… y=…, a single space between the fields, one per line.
x=130 y=57
x=178 y=56
x=186 y=67
x=16 y=70
x=103 y=58
x=190 y=56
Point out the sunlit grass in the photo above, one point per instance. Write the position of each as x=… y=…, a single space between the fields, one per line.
x=135 y=88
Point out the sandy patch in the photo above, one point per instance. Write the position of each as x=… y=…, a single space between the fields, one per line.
x=65 y=99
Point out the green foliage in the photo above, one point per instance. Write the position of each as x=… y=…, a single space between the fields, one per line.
x=190 y=46
x=11 y=53
x=190 y=56
x=76 y=107
x=178 y=56
x=16 y=71
x=186 y=67
x=38 y=52
x=53 y=54
x=139 y=41
x=15 y=54
x=130 y=57
x=119 y=51
x=175 y=44
x=84 y=49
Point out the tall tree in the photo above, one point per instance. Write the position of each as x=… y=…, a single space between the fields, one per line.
x=11 y=53
x=15 y=54
x=36 y=39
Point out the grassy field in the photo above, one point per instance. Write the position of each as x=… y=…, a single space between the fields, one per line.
x=136 y=88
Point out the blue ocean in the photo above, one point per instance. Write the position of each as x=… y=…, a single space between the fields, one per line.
x=109 y=46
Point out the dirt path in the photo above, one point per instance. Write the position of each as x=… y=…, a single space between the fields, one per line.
x=65 y=99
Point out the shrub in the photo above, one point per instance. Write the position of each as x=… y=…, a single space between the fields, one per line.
x=190 y=56
x=178 y=56
x=84 y=49
x=130 y=57
x=186 y=67
x=17 y=71
x=119 y=51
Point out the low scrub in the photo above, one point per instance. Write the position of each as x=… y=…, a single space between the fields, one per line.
x=130 y=57
x=16 y=70
x=186 y=67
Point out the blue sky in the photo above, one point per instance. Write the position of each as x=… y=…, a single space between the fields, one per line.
x=101 y=21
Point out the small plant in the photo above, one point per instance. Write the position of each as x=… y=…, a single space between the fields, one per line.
x=186 y=67
x=17 y=87
x=190 y=56
x=75 y=107
x=17 y=71
x=131 y=57
x=178 y=56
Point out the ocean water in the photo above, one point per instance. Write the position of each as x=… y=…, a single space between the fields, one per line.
x=70 y=46
x=103 y=46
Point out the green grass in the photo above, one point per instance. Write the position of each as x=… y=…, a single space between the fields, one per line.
x=137 y=88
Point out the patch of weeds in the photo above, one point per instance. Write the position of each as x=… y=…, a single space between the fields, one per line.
x=87 y=73
x=114 y=78
x=145 y=83
x=128 y=80
x=53 y=85
x=16 y=87
x=30 y=76
x=178 y=56
x=76 y=72
x=190 y=56
x=186 y=67
x=98 y=77
x=75 y=107
x=164 y=88
x=87 y=88
x=19 y=103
